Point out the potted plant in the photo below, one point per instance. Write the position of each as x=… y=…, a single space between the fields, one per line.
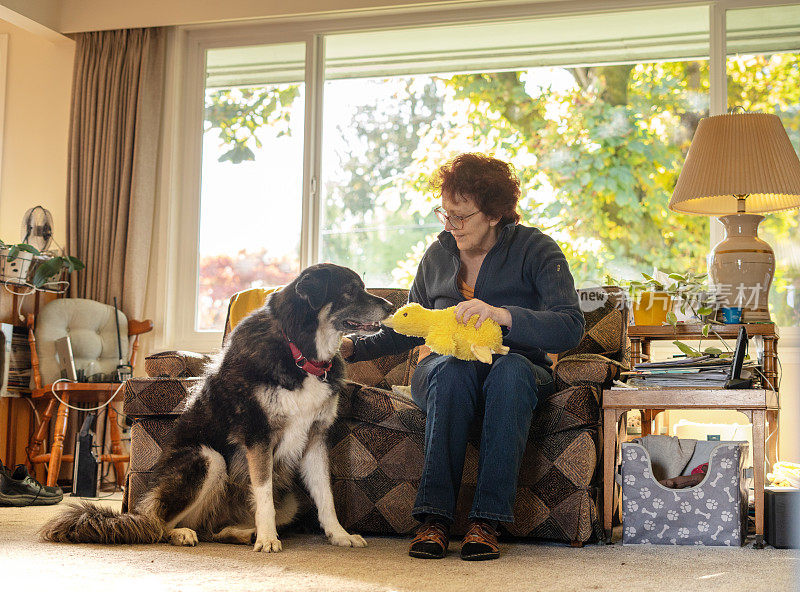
x=652 y=302
x=655 y=302
x=690 y=293
x=51 y=266
x=17 y=261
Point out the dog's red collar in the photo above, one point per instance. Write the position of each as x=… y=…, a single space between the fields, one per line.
x=315 y=367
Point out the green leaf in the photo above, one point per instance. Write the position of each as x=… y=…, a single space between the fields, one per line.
x=705 y=310
x=672 y=319
x=712 y=350
x=705 y=330
x=677 y=276
x=688 y=350
x=13 y=252
x=46 y=270
x=72 y=263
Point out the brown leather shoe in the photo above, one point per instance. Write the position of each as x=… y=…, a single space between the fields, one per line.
x=480 y=542
x=431 y=540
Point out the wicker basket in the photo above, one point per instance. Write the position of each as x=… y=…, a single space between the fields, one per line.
x=17 y=270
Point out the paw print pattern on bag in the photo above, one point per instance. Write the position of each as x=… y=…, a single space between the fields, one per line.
x=706 y=514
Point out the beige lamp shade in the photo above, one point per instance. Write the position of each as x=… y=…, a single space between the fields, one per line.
x=738 y=154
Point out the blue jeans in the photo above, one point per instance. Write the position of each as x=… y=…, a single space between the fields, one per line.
x=453 y=393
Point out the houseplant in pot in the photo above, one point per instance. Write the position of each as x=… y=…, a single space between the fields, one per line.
x=656 y=300
x=16 y=262
x=49 y=268
x=21 y=261
x=651 y=299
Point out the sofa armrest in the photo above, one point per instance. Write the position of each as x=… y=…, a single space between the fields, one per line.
x=175 y=364
x=586 y=369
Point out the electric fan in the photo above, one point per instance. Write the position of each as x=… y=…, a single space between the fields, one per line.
x=37 y=228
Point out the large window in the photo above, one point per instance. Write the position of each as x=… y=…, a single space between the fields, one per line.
x=598 y=149
x=596 y=112
x=251 y=191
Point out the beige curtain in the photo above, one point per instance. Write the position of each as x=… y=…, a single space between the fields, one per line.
x=113 y=154
x=117 y=95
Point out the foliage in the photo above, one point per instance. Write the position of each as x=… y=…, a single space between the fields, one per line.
x=221 y=276
x=238 y=113
x=365 y=226
x=598 y=159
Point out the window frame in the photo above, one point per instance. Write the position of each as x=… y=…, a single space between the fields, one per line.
x=176 y=276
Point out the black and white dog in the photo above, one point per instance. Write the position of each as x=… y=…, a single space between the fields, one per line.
x=259 y=417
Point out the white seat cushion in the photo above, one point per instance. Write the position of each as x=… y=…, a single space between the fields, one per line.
x=92 y=332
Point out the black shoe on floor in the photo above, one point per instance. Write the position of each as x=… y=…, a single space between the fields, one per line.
x=431 y=540
x=18 y=488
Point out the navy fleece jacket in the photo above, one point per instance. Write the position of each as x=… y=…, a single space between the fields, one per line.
x=525 y=272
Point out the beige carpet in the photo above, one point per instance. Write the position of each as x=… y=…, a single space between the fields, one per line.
x=309 y=563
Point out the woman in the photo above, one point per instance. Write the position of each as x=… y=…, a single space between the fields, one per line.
x=485 y=264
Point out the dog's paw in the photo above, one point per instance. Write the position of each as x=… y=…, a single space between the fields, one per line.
x=182 y=537
x=347 y=540
x=267 y=545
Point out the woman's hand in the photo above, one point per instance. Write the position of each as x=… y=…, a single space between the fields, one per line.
x=469 y=308
x=346 y=347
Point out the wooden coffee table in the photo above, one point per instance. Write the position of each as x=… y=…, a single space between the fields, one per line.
x=759 y=405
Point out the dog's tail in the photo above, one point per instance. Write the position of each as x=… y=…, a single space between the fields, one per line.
x=90 y=523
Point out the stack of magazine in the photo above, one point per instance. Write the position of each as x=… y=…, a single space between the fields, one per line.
x=700 y=372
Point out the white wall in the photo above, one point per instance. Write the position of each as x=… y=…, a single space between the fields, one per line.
x=34 y=159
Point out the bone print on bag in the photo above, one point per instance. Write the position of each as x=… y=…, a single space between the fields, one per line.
x=713 y=512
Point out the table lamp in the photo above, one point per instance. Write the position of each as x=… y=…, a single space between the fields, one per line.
x=739 y=166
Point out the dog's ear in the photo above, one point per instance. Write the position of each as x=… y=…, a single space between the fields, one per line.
x=313 y=287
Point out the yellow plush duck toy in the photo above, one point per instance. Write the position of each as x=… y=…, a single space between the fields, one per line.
x=445 y=335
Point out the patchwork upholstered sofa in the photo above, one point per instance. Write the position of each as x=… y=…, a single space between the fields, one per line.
x=377 y=442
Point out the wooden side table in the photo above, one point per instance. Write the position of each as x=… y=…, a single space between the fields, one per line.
x=642 y=335
x=759 y=405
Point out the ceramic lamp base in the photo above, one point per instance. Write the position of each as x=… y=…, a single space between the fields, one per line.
x=741 y=267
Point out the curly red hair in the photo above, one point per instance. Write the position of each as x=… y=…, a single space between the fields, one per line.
x=491 y=183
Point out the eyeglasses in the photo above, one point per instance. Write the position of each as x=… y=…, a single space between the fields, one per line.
x=456 y=222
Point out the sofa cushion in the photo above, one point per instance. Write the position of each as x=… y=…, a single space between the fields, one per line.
x=606 y=312
x=585 y=369
x=92 y=329
x=175 y=364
